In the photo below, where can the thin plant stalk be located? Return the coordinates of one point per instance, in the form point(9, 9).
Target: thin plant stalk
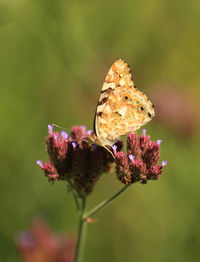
point(82, 221)
point(105, 202)
point(81, 232)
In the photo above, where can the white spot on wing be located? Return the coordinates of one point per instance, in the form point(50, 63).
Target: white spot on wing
point(110, 72)
point(108, 85)
point(100, 108)
point(107, 109)
point(112, 77)
point(123, 110)
point(121, 66)
point(122, 82)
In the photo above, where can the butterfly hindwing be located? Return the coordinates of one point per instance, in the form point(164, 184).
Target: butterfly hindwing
point(121, 108)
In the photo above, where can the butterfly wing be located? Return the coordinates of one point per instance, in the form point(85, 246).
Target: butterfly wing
point(121, 108)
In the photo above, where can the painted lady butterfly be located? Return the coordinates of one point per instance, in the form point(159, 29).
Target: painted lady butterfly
point(121, 109)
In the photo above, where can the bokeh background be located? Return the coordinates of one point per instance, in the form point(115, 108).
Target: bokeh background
point(54, 56)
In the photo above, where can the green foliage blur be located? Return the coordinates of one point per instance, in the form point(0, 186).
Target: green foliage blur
point(54, 56)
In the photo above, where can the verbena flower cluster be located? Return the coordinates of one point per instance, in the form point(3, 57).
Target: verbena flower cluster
point(141, 163)
point(73, 159)
point(40, 244)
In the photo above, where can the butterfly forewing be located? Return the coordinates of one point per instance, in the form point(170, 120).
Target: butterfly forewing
point(121, 108)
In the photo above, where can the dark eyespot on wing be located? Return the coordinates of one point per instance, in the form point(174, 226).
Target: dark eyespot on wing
point(103, 101)
point(100, 114)
point(117, 113)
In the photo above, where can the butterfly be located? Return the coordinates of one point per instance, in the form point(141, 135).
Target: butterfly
point(121, 108)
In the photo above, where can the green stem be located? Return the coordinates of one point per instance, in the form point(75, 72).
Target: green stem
point(74, 193)
point(105, 203)
point(81, 232)
point(76, 200)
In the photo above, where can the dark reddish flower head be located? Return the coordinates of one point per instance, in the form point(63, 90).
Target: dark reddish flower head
point(71, 158)
point(40, 244)
point(141, 163)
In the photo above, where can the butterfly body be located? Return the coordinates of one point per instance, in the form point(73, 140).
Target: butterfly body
point(121, 109)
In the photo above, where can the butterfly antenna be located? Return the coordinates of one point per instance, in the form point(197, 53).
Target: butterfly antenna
point(60, 127)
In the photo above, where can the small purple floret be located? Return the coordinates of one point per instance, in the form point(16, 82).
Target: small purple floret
point(132, 129)
point(144, 131)
point(50, 129)
point(159, 141)
point(74, 144)
point(72, 157)
point(131, 157)
point(164, 162)
point(89, 132)
point(83, 128)
point(39, 163)
point(94, 146)
point(141, 163)
point(55, 136)
point(26, 239)
point(114, 147)
point(64, 135)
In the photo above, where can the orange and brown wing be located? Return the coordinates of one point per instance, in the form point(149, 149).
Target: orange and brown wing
point(118, 77)
point(118, 111)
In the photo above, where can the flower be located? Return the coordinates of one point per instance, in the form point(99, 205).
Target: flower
point(73, 159)
point(177, 110)
point(42, 245)
point(140, 164)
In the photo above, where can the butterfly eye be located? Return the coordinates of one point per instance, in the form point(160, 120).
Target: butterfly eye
point(141, 109)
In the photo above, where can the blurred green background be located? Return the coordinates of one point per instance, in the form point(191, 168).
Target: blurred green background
point(54, 56)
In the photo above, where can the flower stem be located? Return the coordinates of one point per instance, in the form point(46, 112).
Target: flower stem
point(105, 202)
point(76, 200)
point(81, 232)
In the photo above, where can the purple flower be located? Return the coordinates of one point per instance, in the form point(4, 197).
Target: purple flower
point(50, 129)
point(131, 157)
point(55, 136)
point(90, 132)
point(141, 163)
point(114, 147)
point(144, 131)
point(159, 141)
point(40, 243)
point(74, 144)
point(39, 163)
point(164, 162)
point(72, 159)
point(64, 135)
